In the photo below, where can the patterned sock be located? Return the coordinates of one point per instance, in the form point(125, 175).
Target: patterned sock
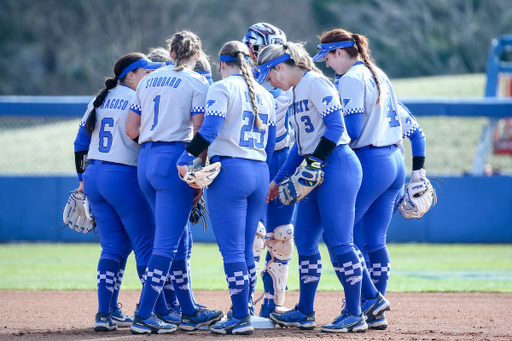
point(106, 279)
point(310, 270)
point(351, 277)
point(380, 268)
point(120, 274)
point(154, 279)
point(169, 293)
point(179, 278)
point(238, 284)
point(253, 276)
point(368, 289)
point(336, 268)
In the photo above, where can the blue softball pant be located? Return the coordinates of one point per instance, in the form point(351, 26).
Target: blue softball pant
point(275, 213)
point(330, 208)
point(169, 197)
point(383, 180)
point(120, 210)
point(236, 199)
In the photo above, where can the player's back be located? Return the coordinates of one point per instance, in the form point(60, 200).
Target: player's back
point(109, 141)
point(239, 135)
point(381, 123)
point(167, 99)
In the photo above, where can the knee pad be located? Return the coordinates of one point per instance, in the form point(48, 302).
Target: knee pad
point(280, 247)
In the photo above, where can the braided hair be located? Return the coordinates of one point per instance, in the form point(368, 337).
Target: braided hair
point(360, 48)
point(110, 83)
point(240, 51)
point(185, 45)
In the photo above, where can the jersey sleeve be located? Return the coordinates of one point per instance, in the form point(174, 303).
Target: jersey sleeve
point(352, 95)
point(217, 100)
point(135, 105)
point(199, 97)
point(407, 120)
point(324, 97)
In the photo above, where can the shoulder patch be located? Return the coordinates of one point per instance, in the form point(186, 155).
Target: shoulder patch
point(210, 102)
point(327, 99)
point(346, 101)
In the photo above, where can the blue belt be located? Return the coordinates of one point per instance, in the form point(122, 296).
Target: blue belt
point(101, 162)
point(375, 147)
point(158, 144)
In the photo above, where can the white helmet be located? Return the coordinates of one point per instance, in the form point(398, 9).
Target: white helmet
point(262, 34)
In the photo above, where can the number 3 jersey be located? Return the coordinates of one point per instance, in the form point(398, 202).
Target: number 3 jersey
point(314, 99)
point(239, 135)
point(167, 100)
point(109, 141)
point(381, 123)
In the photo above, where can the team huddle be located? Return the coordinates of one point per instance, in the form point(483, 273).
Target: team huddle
point(283, 157)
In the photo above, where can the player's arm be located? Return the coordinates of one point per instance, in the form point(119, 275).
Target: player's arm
point(81, 148)
point(272, 130)
point(133, 125)
point(412, 130)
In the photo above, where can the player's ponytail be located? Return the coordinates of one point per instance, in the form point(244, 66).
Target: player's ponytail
point(360, 48)
point(185, 45)
point(110, 83)
point(240, 52)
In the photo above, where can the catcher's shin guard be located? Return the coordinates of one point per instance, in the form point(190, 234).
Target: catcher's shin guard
point(280, 247)
point(259, 245)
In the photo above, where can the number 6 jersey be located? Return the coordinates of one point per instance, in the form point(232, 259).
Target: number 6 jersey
point(381, 123)
point(239, 136)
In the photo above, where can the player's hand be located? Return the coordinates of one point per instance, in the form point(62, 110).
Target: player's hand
point(198, 193)
point(273, 190)
point(182, 170)
point(81, 187)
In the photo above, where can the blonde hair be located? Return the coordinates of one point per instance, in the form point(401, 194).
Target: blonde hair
point(240, 51)
point(185, 45)
point(360, 48)
point(299, 57)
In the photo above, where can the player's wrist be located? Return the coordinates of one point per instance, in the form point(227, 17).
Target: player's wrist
point(416, 175)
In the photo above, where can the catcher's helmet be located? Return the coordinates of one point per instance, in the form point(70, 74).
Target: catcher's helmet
point(262, 34)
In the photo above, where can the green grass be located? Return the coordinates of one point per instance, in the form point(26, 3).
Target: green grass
point(415, 267)
point(471, 85)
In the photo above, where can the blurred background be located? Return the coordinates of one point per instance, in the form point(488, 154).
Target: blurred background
point(57, 53)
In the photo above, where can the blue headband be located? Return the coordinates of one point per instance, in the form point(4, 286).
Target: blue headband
point(323, 49)
point(228, 58)
point(264, 69)
point(142, 63)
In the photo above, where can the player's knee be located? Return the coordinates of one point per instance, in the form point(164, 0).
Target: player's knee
point(280, 242)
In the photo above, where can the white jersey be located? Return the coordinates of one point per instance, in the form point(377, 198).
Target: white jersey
point(283, 133)
point(381, 123)
point(109, 141)
point(239, 136)
point(409, 125)
point(166, 100)
point(314, 98)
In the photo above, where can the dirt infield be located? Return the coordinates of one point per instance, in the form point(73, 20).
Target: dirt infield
point(69, 315)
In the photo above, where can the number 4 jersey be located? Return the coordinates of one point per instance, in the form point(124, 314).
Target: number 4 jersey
point(239, 135)
point(109, 141)
point(381, 123)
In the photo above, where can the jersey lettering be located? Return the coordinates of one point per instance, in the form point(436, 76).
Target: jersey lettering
point(250, 126)
point(106, 135)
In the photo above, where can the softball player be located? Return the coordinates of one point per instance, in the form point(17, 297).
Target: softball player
point(168, 107)
point(276, 218)
point(110, 183)
point(239, 131)
point(321, 139)
point(373, 123)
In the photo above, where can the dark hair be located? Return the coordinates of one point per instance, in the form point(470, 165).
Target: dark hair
point(110, 83)
point(185, 44)
point(159, 54)
point(360, 48)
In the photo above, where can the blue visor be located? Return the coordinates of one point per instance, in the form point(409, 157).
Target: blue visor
point(142, 63)
point(324, 49)
point(264, 69)
point(228, 58)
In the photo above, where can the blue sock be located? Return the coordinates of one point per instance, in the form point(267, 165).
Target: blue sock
point(310, 270)
point(368, 289)
point(190, 280)
point(253, 276)
point(238, 284)
point(351, 278)
point(169, 293)
point(154, 280)
point(106, 278)
point(179, 278)
point(380, 267)
point(120, 274)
